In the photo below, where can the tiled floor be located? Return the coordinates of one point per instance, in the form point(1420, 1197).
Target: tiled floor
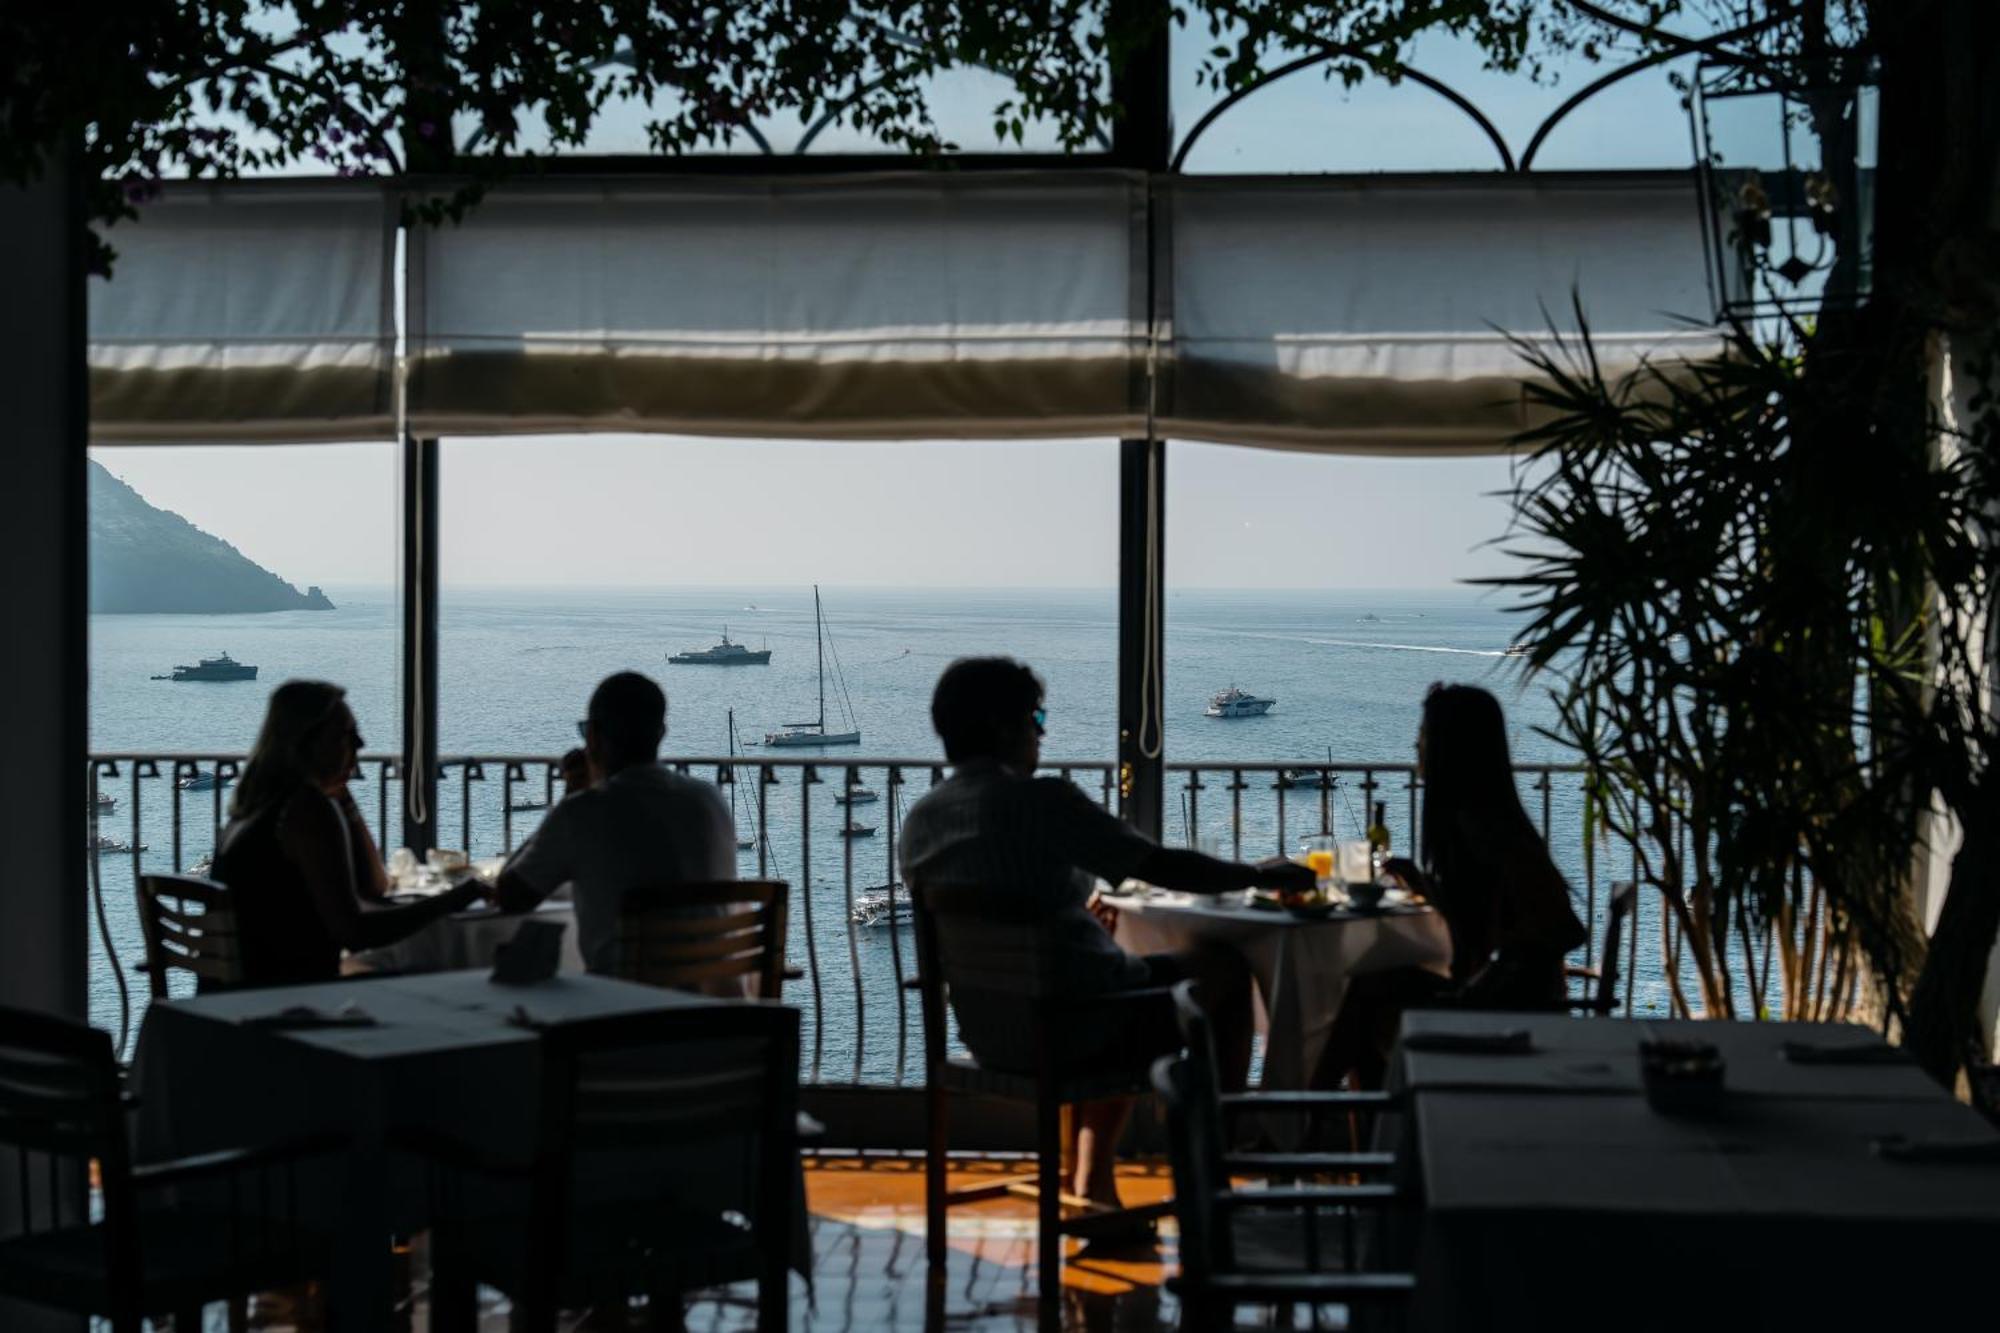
point(867, 1228)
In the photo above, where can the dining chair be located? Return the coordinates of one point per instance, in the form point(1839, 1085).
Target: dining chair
point(981, 951)
point(1265, 1246)
point(168, 1237)
point(631, 1107)
point(1236, 1108)
point(706, 937)
point(1600, 982)
point(189, 925)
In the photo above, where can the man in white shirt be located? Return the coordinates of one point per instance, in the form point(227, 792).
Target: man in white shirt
point(637, 826)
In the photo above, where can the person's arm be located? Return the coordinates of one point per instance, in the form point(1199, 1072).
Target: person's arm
point(1196, 872)
point(1091, 837)
point(316, 840)
point(371, 877)
point(542, 864)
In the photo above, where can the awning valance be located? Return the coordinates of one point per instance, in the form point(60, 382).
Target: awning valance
point(1378, 313)
point(882, 307)
point(254, 311)
point(1336, 313)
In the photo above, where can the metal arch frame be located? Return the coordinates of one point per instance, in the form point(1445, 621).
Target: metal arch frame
point(1414, 75)
point(1675, 47)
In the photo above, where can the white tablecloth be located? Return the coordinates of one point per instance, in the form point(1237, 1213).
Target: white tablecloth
point(471, 940)
point(1301, 966)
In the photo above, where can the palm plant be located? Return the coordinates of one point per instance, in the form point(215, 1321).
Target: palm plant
point(1757, 603)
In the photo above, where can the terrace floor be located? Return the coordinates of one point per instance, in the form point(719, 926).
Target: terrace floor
point(867, 1226)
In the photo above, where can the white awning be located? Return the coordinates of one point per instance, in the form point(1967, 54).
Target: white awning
point(1377, 314)
point(883, 307)
point(254, 311)
point(1347, 314)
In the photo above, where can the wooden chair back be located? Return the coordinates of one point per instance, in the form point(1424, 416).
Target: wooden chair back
point(706, 936)
point(981, 952)
point(189, 925)
point(60, 1110)
point(707, 1078)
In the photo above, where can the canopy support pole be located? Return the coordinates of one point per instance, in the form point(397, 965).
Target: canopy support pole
point(420, 640)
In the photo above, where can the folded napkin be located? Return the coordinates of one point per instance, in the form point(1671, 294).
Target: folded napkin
point(1514, 1041)
point(1898, 1148)
point(349, 1015)
point(1843, 1052)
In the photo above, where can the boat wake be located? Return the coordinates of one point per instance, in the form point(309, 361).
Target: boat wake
point(1409, 647)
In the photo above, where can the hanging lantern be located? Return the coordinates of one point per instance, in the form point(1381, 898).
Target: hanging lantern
point(1786, 163)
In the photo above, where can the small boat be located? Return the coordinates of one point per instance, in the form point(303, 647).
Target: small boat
point(854, 830)
point(200, 781)
point(1291, 778)
point(1516, 649)
point(878, 906)
point(1369, 618)
point(102, 842)
point(859, 796)
point(1233, 702)
point(202, 867)
point(103, 801)
point(726, 653)
point(522, 807)
point(219, 667)
point(798, 735)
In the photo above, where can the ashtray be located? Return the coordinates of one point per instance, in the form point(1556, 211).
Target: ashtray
point(1681, 1077)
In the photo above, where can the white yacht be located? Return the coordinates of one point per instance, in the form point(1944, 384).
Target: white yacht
point(1233, 702)
point(800, 735)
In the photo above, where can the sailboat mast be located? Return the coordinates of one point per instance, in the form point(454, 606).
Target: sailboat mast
point(819, 646)
point(732, 770)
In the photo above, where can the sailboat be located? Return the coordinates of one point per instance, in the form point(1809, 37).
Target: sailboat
point(743, 844)
point(803, 734)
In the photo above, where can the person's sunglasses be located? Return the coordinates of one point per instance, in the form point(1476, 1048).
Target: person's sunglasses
point(1041, 716)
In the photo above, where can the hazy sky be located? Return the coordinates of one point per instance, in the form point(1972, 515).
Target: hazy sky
point(651, 511)
point(632, 510)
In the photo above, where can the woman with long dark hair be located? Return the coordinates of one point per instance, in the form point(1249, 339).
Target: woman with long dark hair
point(1486, 870)
point(297, 856)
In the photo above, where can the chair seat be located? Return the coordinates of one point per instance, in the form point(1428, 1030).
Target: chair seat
point(961, 1074)
point(187, 1259)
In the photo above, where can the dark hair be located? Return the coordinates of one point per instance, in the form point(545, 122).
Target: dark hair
point(277, 765)
point(980, 699)
point(1469, 786)
point(628, 713)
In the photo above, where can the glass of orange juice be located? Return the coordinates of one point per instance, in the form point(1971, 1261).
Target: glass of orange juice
point(1321, 849)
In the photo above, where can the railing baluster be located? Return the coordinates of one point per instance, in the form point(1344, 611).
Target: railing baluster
point(808, 776)
point(891, 791)
point(853, 780)
point(1236, 814)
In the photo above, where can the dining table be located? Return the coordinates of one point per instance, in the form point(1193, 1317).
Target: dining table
point(1829, 1184)
point(1301, 962)
point(378, 1061)
point(467, 939)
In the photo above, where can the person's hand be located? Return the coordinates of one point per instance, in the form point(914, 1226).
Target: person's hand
point(1106, 914)
point(575, 771)
point(1279, 873)
point(1406, 873)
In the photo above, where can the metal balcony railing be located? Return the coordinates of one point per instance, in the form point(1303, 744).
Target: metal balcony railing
point(829, 826)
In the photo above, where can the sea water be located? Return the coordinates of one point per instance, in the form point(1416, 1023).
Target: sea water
point(1348, 670)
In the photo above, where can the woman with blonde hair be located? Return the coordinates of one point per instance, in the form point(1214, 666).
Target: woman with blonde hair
point(297, 856)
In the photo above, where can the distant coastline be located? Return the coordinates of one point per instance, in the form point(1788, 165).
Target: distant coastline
point(148, 560)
